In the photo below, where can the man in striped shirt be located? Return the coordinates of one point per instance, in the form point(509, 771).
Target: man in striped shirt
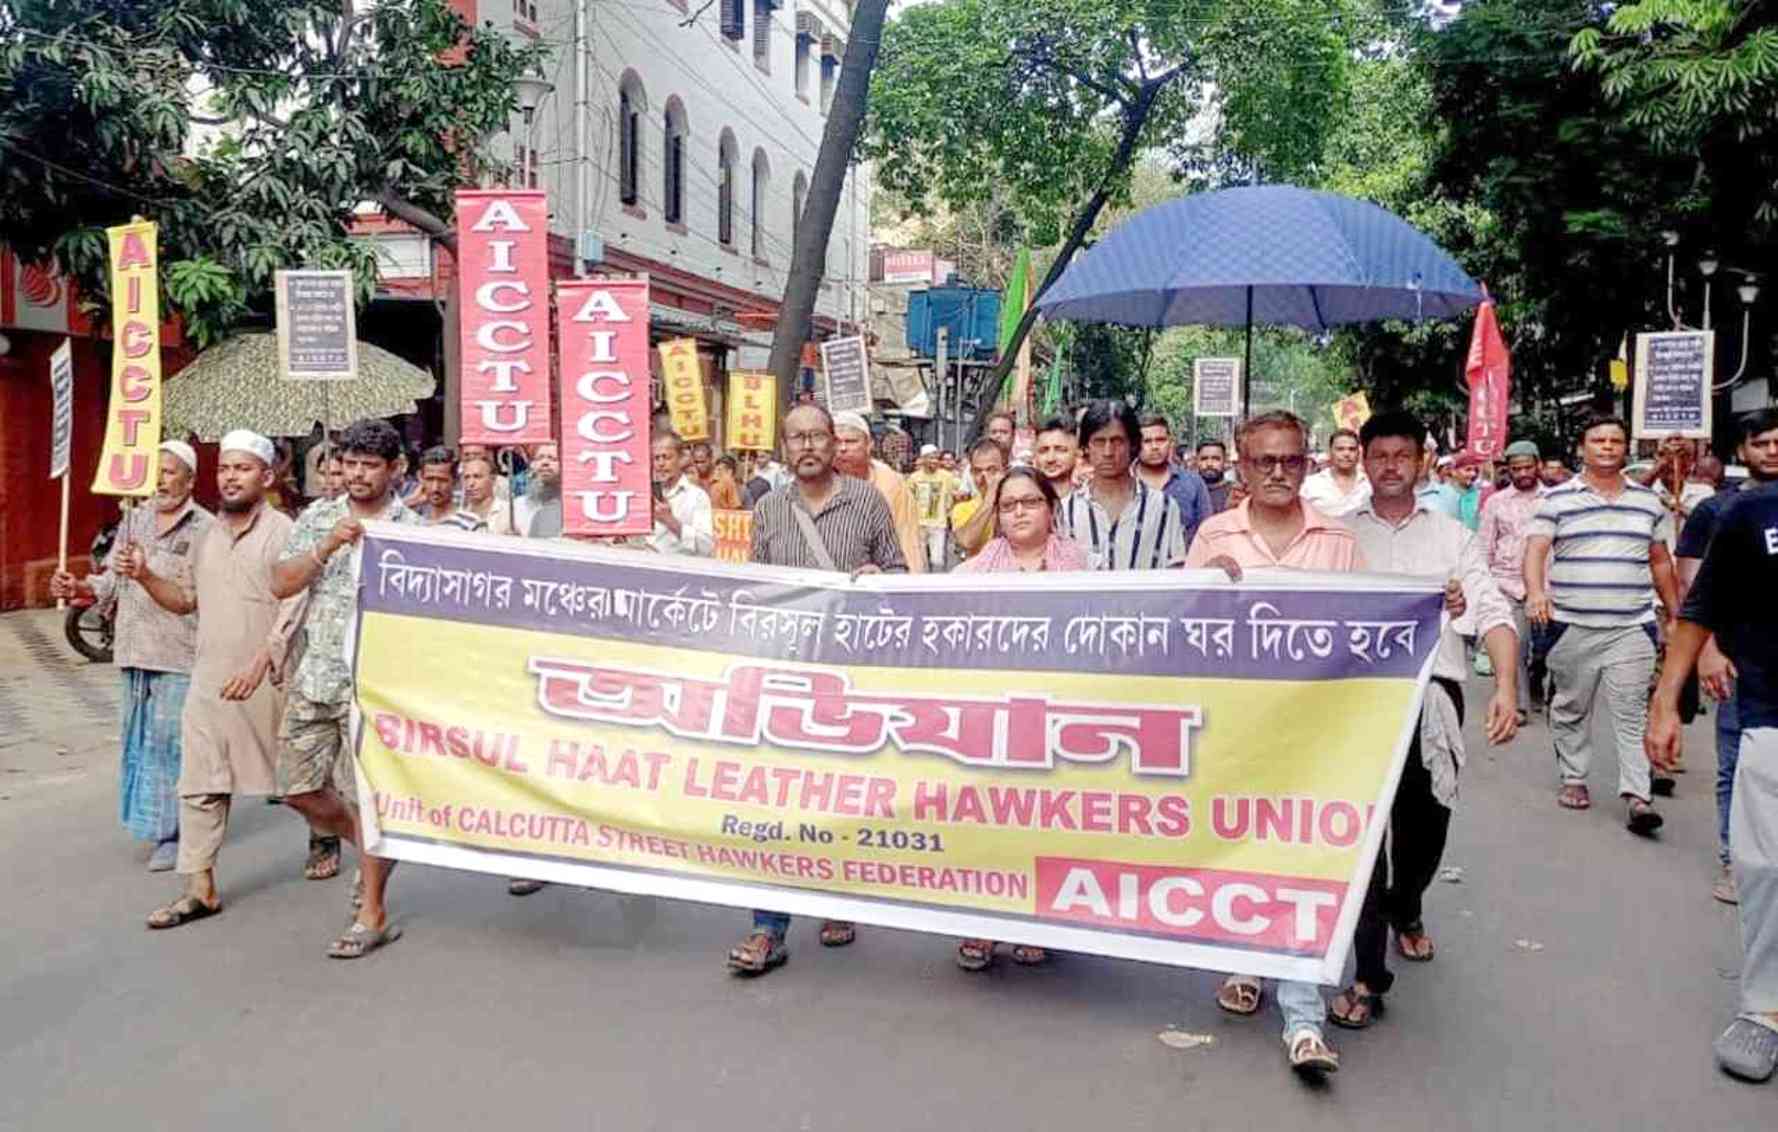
point(1121, 522)
point(1595, 557)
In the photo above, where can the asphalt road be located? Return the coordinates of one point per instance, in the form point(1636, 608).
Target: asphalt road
point(1581, 975)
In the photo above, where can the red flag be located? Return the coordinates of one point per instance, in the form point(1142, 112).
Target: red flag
point(1490, 385)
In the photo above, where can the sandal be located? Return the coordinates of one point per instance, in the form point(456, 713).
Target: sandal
point(184, 910)
point(324, 859)
point(975, 954)
point(1355, 1009)
point(360, 941)
point(1574, 797)
point(523, 886)
point(1027, 956)
point(1641, 818)
point(1240, 994)
point(757, 954)
point(1413, 943)
point(837, 933)
point(1310, 1055)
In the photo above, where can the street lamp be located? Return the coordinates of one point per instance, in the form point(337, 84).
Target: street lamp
point(531, 89)
point(1748, 293)
point(1708, 265)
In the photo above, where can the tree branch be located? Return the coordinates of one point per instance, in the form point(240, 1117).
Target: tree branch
point(406, 210)
point(1044, 59)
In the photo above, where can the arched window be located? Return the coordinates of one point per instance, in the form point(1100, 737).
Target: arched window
point(725, 189)
point(673, 144)
point(632, 106)
point(762, 179)
point(799, 195)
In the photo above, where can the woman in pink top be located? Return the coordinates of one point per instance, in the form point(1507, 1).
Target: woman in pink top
point(1025, 514)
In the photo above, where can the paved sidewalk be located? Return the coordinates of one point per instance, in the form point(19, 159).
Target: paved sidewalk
point(1580, 977)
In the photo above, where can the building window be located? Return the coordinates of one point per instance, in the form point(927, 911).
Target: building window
point(673, 164)
point(734, 19)
point(762, 35)
point(804, 45)
point(527, 166)
point(630, 107)
point(725, 190)
point(830, 69)
point(524, 12)
point(762, 178)
point(799, 195)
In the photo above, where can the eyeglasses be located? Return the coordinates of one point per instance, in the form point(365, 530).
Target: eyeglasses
point(1266, 465)
point(806, 439)
point(1023, 503)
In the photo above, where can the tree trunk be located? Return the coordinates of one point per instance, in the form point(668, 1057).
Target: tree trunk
point(808, 259)
point(1135, 118)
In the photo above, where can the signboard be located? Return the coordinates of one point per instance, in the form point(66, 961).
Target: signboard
point(1175, 770)
point(1674, 371)
point(605, 407)
point(503, 260)
point(61, 385)
point(130, 461)
point(734, 535)
point(907, 267)
point(847, 371)
point(752, 411)
point(683, 379)
point(317, 326)
point(1216, 387)
point(1351, 412)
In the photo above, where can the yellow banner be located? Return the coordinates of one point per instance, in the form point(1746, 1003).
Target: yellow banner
point(752, 411)
point(130, 461)
point(683, 379)
point(1054, 763)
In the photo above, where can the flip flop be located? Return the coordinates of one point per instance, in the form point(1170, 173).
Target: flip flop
point(1747, 1050)
point(1240, 994)
point(1027, 956)
point(360, 941)
point(185, 910)
point(1414, 931)
point(837, 933)
point(1355, 1009)
point(1574, 797)
point(523, 886)
point(758, 953)
point(975, 954)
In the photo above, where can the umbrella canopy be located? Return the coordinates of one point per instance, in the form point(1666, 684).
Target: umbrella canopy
point(1267, 253)
point(235, 384)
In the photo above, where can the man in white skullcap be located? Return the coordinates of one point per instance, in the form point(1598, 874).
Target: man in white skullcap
point(852, 457)
point(231, 714)
point(152, 649)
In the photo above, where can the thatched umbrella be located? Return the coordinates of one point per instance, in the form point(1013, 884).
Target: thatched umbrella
point(235, 384)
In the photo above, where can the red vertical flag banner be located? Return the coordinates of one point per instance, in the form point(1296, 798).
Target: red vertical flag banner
point(503, 265)
point(605, 406)
point(1490, 385)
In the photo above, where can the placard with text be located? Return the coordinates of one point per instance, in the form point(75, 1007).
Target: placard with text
point(503, 281)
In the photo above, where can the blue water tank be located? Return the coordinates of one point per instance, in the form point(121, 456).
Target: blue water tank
point(971, 315)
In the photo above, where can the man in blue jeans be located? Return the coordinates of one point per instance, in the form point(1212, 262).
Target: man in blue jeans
point(1713, 667)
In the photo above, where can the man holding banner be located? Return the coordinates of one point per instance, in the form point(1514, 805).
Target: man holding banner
point(154, 649)
point(314, 737)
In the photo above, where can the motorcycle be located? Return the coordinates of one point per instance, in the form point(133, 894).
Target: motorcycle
point(90, 625)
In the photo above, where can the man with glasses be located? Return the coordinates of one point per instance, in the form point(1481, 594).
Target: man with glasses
point(821, 520)
point(1121, 522)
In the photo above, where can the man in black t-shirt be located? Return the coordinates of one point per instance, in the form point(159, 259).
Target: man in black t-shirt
point(1731, 599)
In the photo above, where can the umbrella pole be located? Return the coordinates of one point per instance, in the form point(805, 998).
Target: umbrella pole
point(1247, 362)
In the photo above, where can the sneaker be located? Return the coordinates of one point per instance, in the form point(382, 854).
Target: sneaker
point(165, 856)
point(1724, 889)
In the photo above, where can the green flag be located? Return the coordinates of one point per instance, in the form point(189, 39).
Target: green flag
point(1017, 298)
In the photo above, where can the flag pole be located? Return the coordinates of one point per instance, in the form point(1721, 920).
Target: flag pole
point(62, 540)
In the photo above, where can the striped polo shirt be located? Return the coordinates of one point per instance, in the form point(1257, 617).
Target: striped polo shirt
point(1599, 575)
point(1149, 535)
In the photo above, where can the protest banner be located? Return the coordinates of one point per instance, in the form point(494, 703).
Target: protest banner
point(1216, 387)
point(734, 535)
point(847, 370)
point(752, 411)
point(129, 463)
point(605, 407)
point(683, 379)
point(61, 436)
point(1674, 371)
point(317, 317)
point(1159, 766)
point(503, 281)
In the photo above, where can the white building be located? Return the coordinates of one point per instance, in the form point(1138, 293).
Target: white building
point(682, 152)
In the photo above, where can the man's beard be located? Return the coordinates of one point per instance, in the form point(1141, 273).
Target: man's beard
point(544, 491)
point(1211, 476)
point(238, 506)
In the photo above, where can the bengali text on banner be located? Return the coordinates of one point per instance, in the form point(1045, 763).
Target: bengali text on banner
point(129, 464)
point(503, 255)
point(1158, 766)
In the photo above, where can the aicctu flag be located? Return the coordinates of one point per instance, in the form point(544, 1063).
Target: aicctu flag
point(1161, 766)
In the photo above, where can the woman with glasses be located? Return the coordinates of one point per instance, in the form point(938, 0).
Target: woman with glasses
point(1024, 514)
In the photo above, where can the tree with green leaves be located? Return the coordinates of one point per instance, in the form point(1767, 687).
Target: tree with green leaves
point(248, 130)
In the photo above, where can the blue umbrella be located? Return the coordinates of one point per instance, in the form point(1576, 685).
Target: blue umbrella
point(1274, 254)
